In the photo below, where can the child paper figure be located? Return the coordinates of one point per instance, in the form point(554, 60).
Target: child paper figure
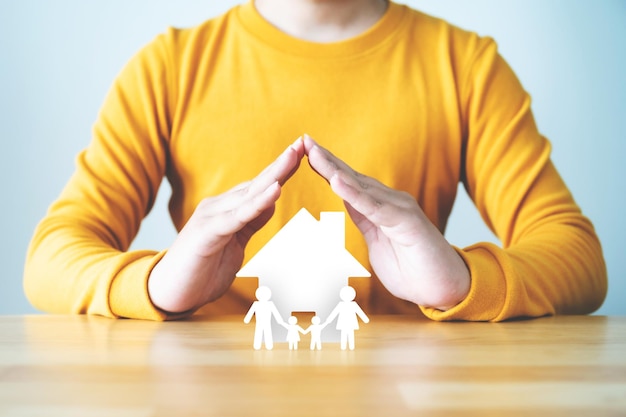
point(293, 332)
point(264, 309)
point(316, 333)
point(346, 312)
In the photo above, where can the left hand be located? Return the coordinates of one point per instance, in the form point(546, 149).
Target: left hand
point(408, 253)
point(201, 264)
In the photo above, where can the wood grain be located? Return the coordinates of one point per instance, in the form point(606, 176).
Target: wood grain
point(92, 366)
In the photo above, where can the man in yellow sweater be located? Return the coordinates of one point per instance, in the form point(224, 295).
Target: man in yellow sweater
point(402, 107)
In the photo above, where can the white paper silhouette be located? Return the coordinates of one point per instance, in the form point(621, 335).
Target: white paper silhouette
point(263, 309)
point(315, 329)
point(346, 313)
point(293, 332)
point(306, 264)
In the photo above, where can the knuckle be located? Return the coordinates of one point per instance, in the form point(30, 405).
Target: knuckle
point(205, 204)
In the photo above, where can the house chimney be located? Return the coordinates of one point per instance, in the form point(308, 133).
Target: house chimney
point(333, 227)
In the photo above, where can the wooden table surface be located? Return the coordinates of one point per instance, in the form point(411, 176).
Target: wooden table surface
point(93, 366)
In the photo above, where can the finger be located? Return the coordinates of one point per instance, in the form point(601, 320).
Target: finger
point(232, 221)
point(216, 230)
point(298, 148)
point(281, 169)
point(399, 218)
point(372, 205)
point(255, 225)
point(369, 202)
point(366, 227)
point(360, 201)
point(323, 161)
point(378, 205)
point(328, 165)
point(277, 172)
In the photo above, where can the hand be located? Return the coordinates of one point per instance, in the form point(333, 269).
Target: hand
point(201, 263)
point(407, 252)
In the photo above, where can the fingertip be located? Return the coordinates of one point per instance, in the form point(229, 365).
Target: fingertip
point(275, 186)
point(335, 181)
point(292, 154)
point(298, 147)
point(297, 142)
point(309, 143)
point(338, 185)
point(314, 150)
point(265, 200)
point(269, 195)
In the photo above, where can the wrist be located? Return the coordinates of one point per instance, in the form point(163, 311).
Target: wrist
point(453, 289)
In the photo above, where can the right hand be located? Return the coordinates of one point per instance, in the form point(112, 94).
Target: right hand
point(409, 255)
point(202, 262)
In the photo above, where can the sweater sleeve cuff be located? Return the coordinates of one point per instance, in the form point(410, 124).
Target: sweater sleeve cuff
point(129, 297)
point(487, 295)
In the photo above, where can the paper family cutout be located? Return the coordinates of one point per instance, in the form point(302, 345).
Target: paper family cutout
point(306, 265)
point(346, 312)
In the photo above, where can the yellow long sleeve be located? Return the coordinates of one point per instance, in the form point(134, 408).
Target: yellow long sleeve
point(552, 260)
point(77, 261)
point(414, 102)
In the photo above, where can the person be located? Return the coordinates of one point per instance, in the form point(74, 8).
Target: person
point(293, 332)
point(398, 108)
point(347, 313)
point(315, 328)
point(263, 309)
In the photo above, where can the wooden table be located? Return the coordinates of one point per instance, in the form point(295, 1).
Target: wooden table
point(92, 366)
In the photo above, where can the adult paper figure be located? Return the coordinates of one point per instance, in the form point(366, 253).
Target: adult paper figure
point(264, 309)
point(347, 311)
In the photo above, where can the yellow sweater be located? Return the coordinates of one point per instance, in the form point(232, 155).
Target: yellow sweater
point(414, 102)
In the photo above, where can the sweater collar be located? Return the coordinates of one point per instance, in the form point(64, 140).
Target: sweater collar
point(379, 33)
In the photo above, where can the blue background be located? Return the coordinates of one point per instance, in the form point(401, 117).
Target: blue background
point(58, 59)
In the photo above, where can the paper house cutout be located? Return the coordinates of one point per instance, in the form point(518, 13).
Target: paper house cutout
point(305, 265)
